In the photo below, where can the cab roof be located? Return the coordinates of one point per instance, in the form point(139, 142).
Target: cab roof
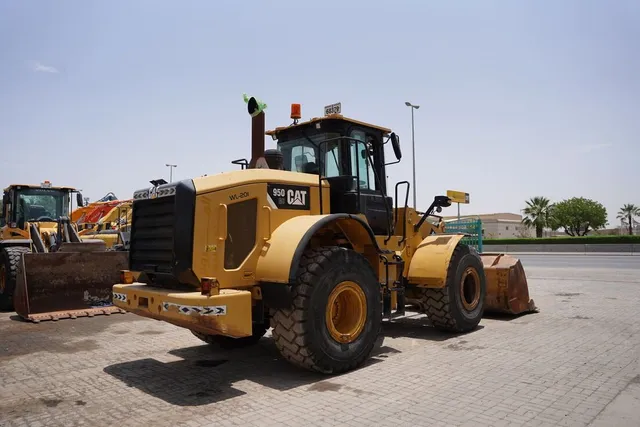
point(52, 187)
point(384, 130)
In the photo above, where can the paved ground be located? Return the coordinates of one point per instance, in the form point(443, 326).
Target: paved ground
point(574, 363)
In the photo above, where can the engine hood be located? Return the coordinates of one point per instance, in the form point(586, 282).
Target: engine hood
point(206, 184)
point(220, 181)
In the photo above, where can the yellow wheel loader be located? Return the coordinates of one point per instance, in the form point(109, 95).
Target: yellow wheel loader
point(47, 272)
point(306, 240)
point(106, 221)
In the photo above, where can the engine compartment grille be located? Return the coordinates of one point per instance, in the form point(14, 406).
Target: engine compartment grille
point(152, 236)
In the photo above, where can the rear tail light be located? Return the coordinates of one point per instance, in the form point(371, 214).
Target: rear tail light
point(208, 286)
point(126, 277)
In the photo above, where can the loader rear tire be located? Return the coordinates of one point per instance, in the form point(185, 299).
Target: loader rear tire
point(459, 305)
point(316, 332)
point(228, 343)
point(9, 259)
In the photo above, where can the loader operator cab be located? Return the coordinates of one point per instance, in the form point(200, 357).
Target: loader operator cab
point(349, 155)
point(22, 204)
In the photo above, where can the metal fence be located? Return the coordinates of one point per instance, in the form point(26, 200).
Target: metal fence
point(472, 228)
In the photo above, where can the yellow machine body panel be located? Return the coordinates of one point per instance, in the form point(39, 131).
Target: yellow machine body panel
point(227, 313)
point(243, 195)
point(287, 241)
point(428, 265)
point(46, 229)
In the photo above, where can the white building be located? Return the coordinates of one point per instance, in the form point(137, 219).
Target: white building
point(499, 225)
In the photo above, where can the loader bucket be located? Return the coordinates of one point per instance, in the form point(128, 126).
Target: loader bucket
point(507, 289)
point(58, 285)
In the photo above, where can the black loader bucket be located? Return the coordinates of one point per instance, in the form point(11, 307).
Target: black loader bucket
point(74, 282)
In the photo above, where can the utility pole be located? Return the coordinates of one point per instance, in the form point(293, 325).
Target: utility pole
point(413, 145)
point(170, 166)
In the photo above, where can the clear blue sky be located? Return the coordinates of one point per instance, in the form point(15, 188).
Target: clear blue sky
point(517, 98)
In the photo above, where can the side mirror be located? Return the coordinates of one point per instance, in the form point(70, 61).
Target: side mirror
point(395, 143)
point(79, 200)
point(442, 201)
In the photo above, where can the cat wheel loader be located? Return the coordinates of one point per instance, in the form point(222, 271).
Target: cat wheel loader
point(306, 240)
point(47, 272)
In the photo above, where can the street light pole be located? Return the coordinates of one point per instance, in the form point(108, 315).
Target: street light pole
point(413, 145)
point(170, 166)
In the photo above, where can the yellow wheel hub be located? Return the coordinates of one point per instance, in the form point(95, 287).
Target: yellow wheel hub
point(470, 289)
point(346, 312)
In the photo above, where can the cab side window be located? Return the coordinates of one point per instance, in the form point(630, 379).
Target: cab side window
point(332, 161)
point(359, 161)
point(303, 158)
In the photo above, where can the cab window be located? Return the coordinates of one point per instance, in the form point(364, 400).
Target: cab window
point(301, 154)
point(359, 163)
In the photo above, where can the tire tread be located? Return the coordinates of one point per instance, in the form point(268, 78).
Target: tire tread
point(436, 303)
point(290, 331)
point(14, 255)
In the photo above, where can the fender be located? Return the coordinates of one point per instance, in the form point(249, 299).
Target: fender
point(281, 255)
point(430, 262)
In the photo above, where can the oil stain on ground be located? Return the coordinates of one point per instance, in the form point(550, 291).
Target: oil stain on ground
point(51, 403)
point(460, 346)
point(151, 332)
point(567, 294)
point(323, 386)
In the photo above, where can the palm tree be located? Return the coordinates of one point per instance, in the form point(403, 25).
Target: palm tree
point(537, 214)
point(627, 212)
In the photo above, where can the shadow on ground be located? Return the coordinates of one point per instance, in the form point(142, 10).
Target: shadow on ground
point(418, 326)
point(507, 317)
point(207, 374)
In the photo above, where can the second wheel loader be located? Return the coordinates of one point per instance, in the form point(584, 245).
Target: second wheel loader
point(306, 240)
point(47, 271)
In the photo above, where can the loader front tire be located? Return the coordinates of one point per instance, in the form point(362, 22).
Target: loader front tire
point(9, 259)
point(336, 317)
point(459, 305)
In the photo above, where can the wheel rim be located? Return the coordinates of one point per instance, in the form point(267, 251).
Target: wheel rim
point(470, 289)
point(2, 279)
point(346, 312)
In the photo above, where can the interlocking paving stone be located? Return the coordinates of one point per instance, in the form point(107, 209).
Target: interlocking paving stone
point(562, 366)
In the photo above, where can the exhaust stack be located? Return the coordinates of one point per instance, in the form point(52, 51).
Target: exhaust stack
point(256, 111)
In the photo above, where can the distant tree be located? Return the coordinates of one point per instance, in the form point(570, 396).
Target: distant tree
point(628, 212)
point(578, 216)
point(538, 214)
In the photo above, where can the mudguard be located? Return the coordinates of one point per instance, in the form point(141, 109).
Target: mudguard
point(279, 260)
point(430, 261)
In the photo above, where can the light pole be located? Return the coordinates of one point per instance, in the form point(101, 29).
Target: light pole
point(413, 145)
point(170, 166)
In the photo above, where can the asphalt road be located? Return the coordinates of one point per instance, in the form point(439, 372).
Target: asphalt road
point(580, 261)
